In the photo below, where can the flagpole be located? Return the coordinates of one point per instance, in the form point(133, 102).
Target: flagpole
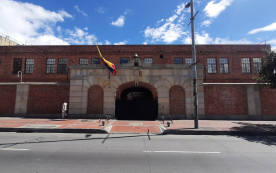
point(98, 48)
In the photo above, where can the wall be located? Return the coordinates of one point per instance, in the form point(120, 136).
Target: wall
point(95, 100)
point(177, 100)
point(47, 99)
point(225, 100)
point(268, 101)
point(7, 99)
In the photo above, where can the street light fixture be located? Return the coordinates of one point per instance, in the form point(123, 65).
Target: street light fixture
point(191, 4)
point(18, 75)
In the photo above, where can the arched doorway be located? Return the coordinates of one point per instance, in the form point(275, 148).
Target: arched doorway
point(136, 103)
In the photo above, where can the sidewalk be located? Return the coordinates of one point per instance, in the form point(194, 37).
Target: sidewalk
point(181, 127)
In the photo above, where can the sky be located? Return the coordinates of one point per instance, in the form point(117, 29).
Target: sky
point(138, 22)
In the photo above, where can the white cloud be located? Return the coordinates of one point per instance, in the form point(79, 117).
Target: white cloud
point(273, 41)
point(205, 38)
point(128, 11)
point(107, 42)
point(121, 43)
point(206, 23)
point(101, 10)
point(85, 28)
point(82, 12)
point(213, 9)
point(273, 48)
point(78, 36)
point(170, 31)
point(31, 23)
point(271, 27)
point(119, 22)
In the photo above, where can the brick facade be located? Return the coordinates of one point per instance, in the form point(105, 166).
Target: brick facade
point(230, 98)
point(225, 100)
point(47, 99)
point(7, 99)
point(95, 100)
point(177, 100)
point(268, 100)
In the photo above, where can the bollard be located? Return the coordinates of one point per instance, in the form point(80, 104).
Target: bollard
point(168, 123)
point(103, 122)
point(163, 119)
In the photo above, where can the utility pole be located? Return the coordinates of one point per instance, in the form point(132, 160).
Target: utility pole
point(194, 62)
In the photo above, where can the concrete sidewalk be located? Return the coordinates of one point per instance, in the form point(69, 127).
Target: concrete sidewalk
point(182, 127)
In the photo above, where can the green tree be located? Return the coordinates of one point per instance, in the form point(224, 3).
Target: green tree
point(267, 73)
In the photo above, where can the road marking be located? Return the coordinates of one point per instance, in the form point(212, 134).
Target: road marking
point(188, 152)
point(13, 149)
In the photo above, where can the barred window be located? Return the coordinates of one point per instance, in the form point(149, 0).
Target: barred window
point(50, 67)
point(245, 65)
point(29, 66)
point(124, 60)
point(62, 65)
point(178, 61)
point(148, 60)
point(95, 60)
point(84, 61)
point(257, 64)
point(212, 65)
point(223, 65)
point(17, 65)
point(188, 60)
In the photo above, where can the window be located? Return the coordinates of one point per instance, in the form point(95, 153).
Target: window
point(62, 65)
point(95, 60)
point(17, 65)
point(245, 65)
point(29, 66)
point(124, 60)
point(84, 61)
point(212, 65)
point(188, 60)
point(223, 65)
point(148, 60)
point(178, 61)
point(50, 67)
point(257, 64)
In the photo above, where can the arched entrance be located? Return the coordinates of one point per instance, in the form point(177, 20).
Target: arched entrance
point(136, 103)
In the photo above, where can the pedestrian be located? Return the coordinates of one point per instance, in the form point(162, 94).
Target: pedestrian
point(64, 108)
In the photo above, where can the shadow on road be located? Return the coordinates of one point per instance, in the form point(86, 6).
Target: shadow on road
point(263, 129)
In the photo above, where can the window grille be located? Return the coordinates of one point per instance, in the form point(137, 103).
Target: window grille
point(62, 65)
point(257, 64)
point(50, 67)
point(148, 60)
point(178, 61)
point(188, 60)
point(124, 60)
point(212, 65)
point(223, 65)
point(29, 66)
point(17, 65)
point(245, 65)
point(95, 60)
point(84, 61)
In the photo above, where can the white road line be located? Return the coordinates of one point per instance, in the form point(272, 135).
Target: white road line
point(188, 152)
point(13, 149)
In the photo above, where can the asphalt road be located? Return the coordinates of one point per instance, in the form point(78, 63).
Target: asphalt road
point(66, 153)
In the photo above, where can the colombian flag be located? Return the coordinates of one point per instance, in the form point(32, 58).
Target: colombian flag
point(110, 66)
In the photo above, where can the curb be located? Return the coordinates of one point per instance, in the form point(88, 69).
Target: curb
point(230, 133)
point(40, 130)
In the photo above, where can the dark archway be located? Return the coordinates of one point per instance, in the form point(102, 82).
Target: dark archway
point(136, 104)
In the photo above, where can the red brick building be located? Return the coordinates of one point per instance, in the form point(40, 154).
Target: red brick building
point(157, 83)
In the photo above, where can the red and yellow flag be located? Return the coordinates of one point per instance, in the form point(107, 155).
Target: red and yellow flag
point(110, 66)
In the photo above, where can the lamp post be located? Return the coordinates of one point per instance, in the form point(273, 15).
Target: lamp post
point(194, 62)
point(18, 75)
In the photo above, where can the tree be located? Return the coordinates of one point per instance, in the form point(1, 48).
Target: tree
point(267, 73)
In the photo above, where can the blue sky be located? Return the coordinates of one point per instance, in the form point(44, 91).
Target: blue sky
point(129, 22)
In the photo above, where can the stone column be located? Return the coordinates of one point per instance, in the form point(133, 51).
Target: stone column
point(253, 102)
point(21, 101)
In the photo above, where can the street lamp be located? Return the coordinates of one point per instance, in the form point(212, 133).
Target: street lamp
point(18, 75)
point(191, 4)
